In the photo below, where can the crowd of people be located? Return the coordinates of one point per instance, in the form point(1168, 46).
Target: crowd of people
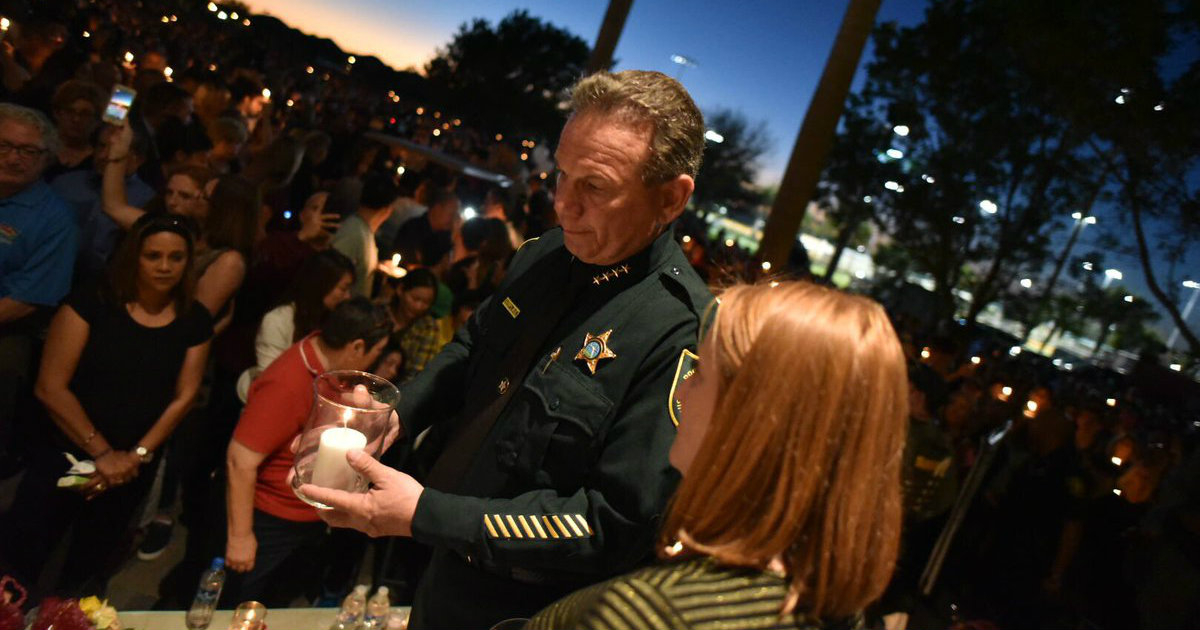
point(171, 285)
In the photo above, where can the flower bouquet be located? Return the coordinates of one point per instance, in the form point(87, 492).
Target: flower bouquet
point(55, 613)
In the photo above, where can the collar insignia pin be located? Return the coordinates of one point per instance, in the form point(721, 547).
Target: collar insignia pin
point(595, 349)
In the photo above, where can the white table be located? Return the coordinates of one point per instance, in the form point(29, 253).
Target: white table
point(277, 619)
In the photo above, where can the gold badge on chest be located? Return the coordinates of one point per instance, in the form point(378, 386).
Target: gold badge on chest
point(595, 349)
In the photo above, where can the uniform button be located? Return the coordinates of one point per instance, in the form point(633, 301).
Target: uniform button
point(503, 386)
point(675, 270)
point(554, 404)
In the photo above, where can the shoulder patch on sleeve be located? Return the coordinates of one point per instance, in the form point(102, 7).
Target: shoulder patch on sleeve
point(683, 371)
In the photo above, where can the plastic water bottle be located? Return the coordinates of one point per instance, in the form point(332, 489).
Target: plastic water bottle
point(207, 594)
point(378, 608)
point(353, 607)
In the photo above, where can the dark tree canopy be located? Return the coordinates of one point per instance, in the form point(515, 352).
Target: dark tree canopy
point(730, 166)
point(509, 78)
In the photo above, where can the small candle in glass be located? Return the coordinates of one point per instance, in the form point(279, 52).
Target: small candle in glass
point(249, 616)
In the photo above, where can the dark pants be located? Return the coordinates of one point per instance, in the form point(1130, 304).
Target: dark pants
point(42, 513)
point(288, 562)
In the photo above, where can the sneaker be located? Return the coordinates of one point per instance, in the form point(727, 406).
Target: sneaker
point(158, 536)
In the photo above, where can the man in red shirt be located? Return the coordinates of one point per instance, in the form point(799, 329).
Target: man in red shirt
point(267, 523)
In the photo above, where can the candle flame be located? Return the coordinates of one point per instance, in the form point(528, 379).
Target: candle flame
point(396, 259)
point(347, 416)
point(1116, 461)
point(975, 360)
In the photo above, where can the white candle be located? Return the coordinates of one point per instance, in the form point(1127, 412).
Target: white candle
point(331, 469)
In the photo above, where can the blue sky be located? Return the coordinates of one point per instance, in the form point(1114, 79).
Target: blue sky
point(762, 57)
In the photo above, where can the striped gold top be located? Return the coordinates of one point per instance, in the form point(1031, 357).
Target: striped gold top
point(696, 593)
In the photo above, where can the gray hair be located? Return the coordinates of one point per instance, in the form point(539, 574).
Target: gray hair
point(639, 97)
point(34, 119)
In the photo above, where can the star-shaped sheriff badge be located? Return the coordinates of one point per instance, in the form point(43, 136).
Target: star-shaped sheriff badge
point(595, 348)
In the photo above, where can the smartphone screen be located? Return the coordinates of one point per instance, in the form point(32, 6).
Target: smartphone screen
point(119, 104)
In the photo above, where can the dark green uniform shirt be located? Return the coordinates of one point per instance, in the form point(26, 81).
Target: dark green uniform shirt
point(568, 486)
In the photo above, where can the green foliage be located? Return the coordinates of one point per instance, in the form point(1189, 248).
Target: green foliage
point(727, 174)
point(510, 78)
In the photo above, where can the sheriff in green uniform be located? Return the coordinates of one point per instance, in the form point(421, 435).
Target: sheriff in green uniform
point(555, 396)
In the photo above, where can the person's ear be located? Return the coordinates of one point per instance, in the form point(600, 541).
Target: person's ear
point(359, 346)
point(673, 196)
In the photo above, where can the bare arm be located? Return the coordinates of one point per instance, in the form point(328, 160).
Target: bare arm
point(114, 201)
point(186, 388)
point(220, 281)
point(11, 310)
point(242, 465)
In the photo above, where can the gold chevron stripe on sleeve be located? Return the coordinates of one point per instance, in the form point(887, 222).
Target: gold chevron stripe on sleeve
point(512, 524)
point(562, 528)
point(549, 527)
point(537, 526)
point(525, 525)
point(487, 522)
point(500, 525)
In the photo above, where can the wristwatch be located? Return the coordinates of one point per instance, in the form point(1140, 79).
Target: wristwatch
point(144, 454)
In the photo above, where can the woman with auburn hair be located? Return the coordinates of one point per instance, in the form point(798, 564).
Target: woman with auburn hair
point(790, 440)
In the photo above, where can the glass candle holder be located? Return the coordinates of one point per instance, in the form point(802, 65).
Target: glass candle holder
point(249, 616)
point(350, 410)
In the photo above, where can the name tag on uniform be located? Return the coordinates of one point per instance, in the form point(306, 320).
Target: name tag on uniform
point(511, 308)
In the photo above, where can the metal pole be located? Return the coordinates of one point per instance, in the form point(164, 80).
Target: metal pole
point(610, 33)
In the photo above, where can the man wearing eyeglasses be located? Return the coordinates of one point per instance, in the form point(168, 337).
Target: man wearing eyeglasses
point(38, 239)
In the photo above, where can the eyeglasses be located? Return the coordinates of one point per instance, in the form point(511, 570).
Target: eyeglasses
point(24, 150)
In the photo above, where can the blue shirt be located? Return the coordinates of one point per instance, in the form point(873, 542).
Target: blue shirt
point(98, 234)
point(38, 241)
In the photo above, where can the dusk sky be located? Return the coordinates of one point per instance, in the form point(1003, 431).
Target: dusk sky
point(763, 58)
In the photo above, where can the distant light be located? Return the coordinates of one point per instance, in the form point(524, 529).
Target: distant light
point(86, 34)
point(524, 156)
point(266, 94)
point(1006, 390)
point(1027, 283)
point(1090, 221)
point(867, 199)
point(212, 67)
point(766, 265)
point(891, 185)
point(399, 170)
point(1069, 366)
point(928, 178)
point(1191, 284)
point(457, 122)
point(1014, 351)
point(1159, 107)
point(469, 213)
point(350, 60)
point(860, 274)
point(1129, 298)
point(1057, 362)
point(988, 206)
point(174, 18)
point(728, 242)
point(1115, 274)
point(1117, 491)
point(167, 72)
point(221, 15)
point(212, 6)
point(1111, 402)
point(437, 114)
point(975, 360)
point(287, 214)
point(900, 130)
point(420, 111)
point(713, 136)
point(128, 57)
point(959, 220)
point(499, 137)
point(1031, 406)
point(1088, 266)
point(1177, 367)
point(290, 102)
point(1077, 215)
point(446, 126)
point(166, 19)
point(309, 70)
point(895, 154)
point(246, 22)
point(1120, 100)
point(438, 132)
point(543, 175)
point(687, 239)
point(233, 16)
point(925, 353)
point(774, 283)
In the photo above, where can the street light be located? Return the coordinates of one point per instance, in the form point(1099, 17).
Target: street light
point(684, 62)
point(713, 136)
point(988, 206)
point(900, 130)
point(1110, 275)
point(1027, 283)
point(1187, 310)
